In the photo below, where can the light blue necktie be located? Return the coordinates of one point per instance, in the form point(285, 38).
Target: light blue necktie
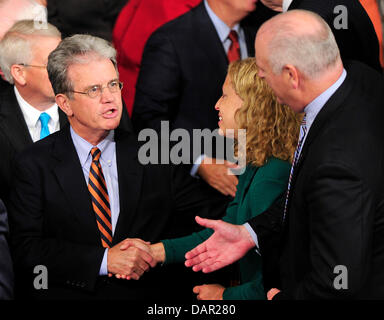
point(44, 119)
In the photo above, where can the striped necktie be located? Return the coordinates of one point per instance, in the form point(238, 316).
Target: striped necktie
point(100, 199)
point(303, 132)
point(234, 49)
point(44, 119)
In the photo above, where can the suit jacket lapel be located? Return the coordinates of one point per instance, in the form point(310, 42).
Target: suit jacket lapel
point(207, 39)
point(12, 120)
point(130, 173)
point(70, 176)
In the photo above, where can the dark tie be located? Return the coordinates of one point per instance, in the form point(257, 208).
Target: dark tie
point(100, 199)
point(234, 49)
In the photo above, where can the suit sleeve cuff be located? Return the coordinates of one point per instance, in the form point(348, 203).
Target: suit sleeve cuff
point(254, 236)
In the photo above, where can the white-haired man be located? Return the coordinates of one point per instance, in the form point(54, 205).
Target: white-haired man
point(28, 111)
point(329, 223)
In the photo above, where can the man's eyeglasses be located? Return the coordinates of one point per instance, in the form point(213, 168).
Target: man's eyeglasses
point(32, 65)
point(96, 91)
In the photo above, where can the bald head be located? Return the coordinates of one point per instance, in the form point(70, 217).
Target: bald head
point(299, 38)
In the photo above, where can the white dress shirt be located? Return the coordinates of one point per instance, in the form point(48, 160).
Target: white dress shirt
point(31, 116)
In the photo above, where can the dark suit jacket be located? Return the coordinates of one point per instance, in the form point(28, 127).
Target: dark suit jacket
point(357, 42)
point(14, 136)
point(336, 207)
point(6, 270)
point(182, 72)
point(53, 224)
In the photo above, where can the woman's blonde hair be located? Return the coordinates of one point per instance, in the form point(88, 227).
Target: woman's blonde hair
point(272, 129)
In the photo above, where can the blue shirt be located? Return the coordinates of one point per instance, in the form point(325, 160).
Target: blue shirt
point(108, 164)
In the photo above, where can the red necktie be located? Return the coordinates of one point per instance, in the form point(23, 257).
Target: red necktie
point(234, 49)
point(100, 199)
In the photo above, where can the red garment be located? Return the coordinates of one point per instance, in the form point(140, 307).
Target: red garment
point(372, 9)
point(136, 22)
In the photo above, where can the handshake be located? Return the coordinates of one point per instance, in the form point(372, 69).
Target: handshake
point(132, 257)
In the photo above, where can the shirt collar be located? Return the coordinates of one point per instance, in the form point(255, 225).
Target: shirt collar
point(31, 114)
point(286, 4)
point(83, 147)
point(314, 107)
point(222, 29)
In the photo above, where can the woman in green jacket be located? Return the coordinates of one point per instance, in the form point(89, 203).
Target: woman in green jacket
point(271, 136)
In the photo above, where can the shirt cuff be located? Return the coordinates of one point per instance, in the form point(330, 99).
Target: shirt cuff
point(196, 166)
point(104, 264)
point(254, 237)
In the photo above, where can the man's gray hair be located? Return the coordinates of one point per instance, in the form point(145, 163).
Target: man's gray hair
point(79, 48)
point(311, 53)
point(16, 45)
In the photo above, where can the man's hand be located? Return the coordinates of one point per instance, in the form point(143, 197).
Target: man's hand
point(216, 175)
point(226, 245)
point(209, 292)
point(271, 293)
point(132, 262)
point(156, 250)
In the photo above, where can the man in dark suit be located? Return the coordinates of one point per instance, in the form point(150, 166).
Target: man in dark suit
point(354, 32)
point(24, 54)
point(6, 271)
point(81, 191)
point(183, 69)
point(330, 223)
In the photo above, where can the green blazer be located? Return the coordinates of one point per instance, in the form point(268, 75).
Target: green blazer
point(257, 189)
